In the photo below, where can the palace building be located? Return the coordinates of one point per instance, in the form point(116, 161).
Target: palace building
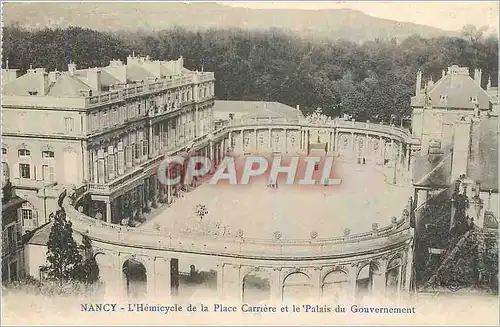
point(99, 127)
point(455, 122)
point(91, 141)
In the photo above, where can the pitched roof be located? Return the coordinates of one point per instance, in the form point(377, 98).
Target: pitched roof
point(22, 85)
point(458, 87)
point(39, 236)
point(433, 170)
point(256, 109)
point(67, 86)
point(136, 73)
point(483, 159)
point(106, 78)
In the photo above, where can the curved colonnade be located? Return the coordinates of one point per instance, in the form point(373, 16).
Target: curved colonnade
point(238, 268)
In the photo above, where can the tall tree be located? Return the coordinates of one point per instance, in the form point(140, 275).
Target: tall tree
point(64, 259)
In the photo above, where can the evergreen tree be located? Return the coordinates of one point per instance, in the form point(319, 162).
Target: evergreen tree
point(89, 272)
point(64, 259)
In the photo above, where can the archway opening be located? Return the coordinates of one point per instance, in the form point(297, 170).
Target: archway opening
point(136, 278)
point(364, 280)
point(256, 288)
point(297, 286)
point(335, 286)
point(393, 276)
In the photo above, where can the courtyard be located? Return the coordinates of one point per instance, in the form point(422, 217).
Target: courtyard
point(258, 211)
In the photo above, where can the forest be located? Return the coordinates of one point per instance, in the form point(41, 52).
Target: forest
point(371, 81)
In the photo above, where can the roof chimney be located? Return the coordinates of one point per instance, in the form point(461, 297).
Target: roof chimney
point(461, 144)
point(477, 76)
point(53, 76)
point(43, 80)
point(72, 68)
point(418, 87)
point(443, 73)
point(488, 86)
point(94, 79)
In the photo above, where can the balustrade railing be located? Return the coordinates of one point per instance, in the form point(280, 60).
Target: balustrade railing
point(146, 88)
point(397, 131)
point(397, 231)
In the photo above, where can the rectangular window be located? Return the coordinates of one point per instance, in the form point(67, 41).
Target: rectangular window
point(4, 151)
point(105, 119)
point(23, 153)
point(24, 170)
point(27, 214)
point(95, 122)
point(47, 154)
point(69, 123)
point(136, 151)
point(139, 109)
point(145, 148)
point(115, 117)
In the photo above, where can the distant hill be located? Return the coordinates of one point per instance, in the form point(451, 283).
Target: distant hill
point(332, 24)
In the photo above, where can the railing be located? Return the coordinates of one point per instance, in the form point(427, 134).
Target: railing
point(130, 91)
point(234, 124)
point(337, 123)
point(387, 236)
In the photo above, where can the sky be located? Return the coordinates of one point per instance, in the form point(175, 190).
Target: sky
point(447, 15)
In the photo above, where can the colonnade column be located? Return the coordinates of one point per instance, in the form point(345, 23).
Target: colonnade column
point(382, 150)
point(409, 268)
point(316, 279)
point(276, 288)
point(270, 141)
point(162, 277)
point(256, 140)
point(353, 278)
point(242, 141)
point(220, 280)
point(378, 281)
point(108, 210)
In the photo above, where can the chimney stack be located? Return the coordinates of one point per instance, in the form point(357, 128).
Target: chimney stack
point(94, 79)
point(53, 76)
point(477, 76)
point(72, 69)
point(488, 86)
point(43, 76)
point(443, 73)
point(8, 75)
point(418, 87)
point(461, 144)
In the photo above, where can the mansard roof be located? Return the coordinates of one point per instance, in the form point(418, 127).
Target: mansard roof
point(457, 87)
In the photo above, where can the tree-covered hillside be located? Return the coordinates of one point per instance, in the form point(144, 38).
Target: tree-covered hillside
point(373, 80)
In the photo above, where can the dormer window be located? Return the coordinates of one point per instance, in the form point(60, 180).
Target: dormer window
point(33, 92)
point(443, 97)
point(473, 99)
point(23, 153)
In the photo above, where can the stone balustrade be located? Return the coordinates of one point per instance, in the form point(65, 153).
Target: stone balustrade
point(396, 232)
